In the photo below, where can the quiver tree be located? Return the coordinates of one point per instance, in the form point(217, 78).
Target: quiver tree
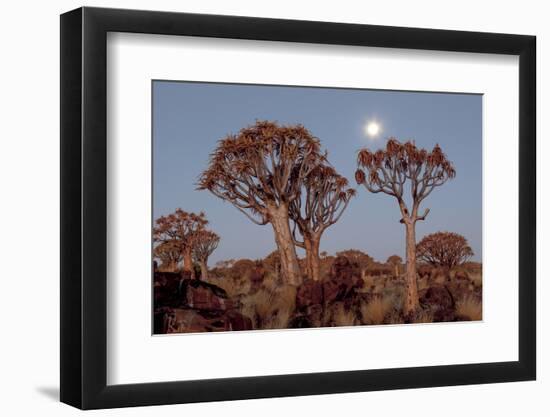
point(179, 228)
point(204, 243)
point(324, 197)
point(395, 169)
point(260, 171)
point(444, 249)
point(169, 254)
point(361, 259)
point(395, 261)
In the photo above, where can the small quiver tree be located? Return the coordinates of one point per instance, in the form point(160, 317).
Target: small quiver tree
point(444, 249)
point(395, 261)
point(324, 197)
point(204, 243)
point(179, 228)
point(361, 259)
point(395, 169)
point(260, 171)
point(169, 254)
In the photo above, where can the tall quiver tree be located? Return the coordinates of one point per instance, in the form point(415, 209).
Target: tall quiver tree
point(204, 243)
point(179, 228)
point(260, 171)
point(395, 169)
point(324, 197)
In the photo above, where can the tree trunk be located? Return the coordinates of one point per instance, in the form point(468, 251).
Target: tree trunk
point(411, 299)
point(396, 269)
point(307, 248)
point(283, 237)
point(204, 270)
point(315, 263)
point(188, 262)
point(171, 266)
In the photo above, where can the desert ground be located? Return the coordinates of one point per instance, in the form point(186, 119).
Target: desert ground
point(354, 290)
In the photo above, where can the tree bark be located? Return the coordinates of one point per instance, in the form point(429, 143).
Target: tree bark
point(171, 267)
point(204, 270)
point(188, 261)
point(307, 248)
point(283, 238)
point(411, 299)
point(315, 263)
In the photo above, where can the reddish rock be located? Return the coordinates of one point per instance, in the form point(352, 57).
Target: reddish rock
point(202, 295)
point(238, 321)
point(180, 320)
point(309, 293)
point(439, 300)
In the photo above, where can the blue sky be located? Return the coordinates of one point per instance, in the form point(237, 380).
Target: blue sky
point(189, 118)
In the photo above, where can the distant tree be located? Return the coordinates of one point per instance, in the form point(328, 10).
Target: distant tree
point(226, 263)
point(204, 243)
point(169, 254)
point(444, 249)
point(323, 198)
point(387, 171)
point(179, 228)
point(362, 259)
point(396, 262)
point(261, 171)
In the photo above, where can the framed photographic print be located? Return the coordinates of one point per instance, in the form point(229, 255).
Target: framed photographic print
point(257, 208)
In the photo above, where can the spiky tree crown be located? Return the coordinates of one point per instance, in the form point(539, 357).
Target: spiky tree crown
point(204, 243)
point(263, 164)
point(444, 249)
point(388, 169)
point(179, 227)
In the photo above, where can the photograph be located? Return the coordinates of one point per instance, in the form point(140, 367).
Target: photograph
point(288, 207)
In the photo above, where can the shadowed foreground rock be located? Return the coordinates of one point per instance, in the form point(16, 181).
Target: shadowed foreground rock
point(440, 302)
point(184, 305)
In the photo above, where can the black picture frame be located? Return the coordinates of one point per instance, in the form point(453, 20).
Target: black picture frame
point(84, 207)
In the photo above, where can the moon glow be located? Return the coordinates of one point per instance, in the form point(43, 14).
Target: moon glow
point(372, 129)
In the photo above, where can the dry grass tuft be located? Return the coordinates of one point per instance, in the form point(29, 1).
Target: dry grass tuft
point(270, 308)
point(233, 286)
point(377, 309)
point(476, 278)
point(425, 316)
point(341, 316)
point(470, 307)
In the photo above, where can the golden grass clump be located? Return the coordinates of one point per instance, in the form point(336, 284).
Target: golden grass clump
point(375, 311)
point(342, 317)
point(470, 307)
point(233, 286)
point(424, 316)
point(270, 308)
point(368, 282)
point(476, 278)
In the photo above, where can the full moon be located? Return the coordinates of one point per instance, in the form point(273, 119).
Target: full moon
point(372, 129)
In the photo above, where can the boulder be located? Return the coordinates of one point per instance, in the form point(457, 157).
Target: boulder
point(238, 321)
point(309, 293)
point(166, 289)
point(202, 295)
point(439, 300)
point(185, 320)
point(178, 320)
